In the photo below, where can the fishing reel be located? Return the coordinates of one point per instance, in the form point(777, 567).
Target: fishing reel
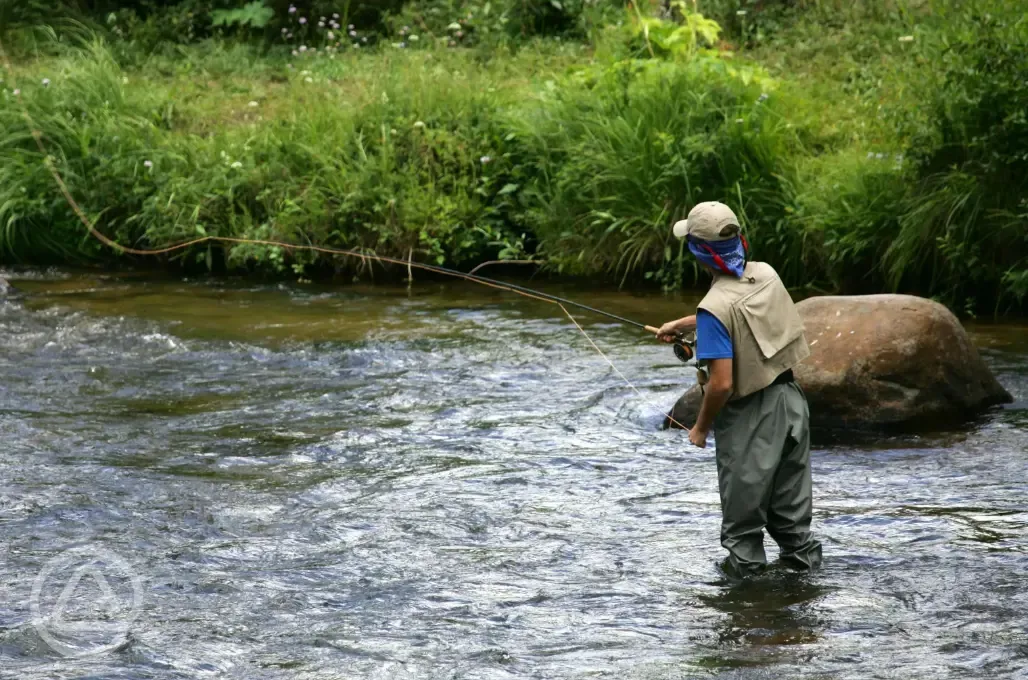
point(684, 343)
point(685, 347)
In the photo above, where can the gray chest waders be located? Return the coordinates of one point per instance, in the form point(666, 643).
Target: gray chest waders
point(763, 465)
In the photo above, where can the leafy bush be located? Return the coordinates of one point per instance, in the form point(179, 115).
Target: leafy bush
point(96, 135)
point(894, 156)
point(620, 154)
point(402, 164)
point(252, 15)
point(847, 207)
point(469, 22)
point(964, 232)
point(677, 38)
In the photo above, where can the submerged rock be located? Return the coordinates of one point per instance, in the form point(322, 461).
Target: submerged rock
point(882, 362)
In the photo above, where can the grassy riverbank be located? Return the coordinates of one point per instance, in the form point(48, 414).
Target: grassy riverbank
point(877, 147)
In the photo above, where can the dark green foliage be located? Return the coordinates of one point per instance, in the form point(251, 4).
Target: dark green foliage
point(365, 14)
point(964, 231)
point(621, 153)
point(545, 17)
point(899, 162)
point(468, 22)
point(253, 15)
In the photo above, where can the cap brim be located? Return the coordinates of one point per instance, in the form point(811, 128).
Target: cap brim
point(681, 228)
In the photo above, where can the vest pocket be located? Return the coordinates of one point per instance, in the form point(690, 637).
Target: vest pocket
point(771, 318)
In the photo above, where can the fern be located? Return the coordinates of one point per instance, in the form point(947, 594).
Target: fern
point(252, 15)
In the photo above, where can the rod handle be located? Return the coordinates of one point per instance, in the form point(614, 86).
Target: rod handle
point(653, 329)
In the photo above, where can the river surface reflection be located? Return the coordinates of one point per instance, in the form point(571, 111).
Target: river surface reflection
point(448, 482)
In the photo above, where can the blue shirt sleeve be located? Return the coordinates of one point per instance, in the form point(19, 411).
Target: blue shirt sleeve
point(712, 338)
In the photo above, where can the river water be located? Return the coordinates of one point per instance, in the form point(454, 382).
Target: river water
point(449, 482)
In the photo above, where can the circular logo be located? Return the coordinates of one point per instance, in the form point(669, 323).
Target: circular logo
point(84, 601)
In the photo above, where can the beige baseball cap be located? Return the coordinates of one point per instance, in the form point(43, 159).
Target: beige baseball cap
point(710, 221)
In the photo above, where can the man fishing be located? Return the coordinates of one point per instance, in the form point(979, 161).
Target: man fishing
point(749, 336)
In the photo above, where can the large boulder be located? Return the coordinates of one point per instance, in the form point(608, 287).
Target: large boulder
point(883, 362)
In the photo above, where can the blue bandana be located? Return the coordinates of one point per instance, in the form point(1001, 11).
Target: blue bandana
point(731, 252)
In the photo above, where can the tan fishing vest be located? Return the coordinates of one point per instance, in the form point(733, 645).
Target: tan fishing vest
point(761, 318)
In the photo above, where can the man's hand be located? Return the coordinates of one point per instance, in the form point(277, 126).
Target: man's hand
point(715, 395)
point(670, 331)
point(698, 437)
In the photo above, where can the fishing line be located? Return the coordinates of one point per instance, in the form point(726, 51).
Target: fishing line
point(681, 346)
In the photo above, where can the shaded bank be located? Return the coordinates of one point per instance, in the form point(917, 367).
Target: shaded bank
point(577, 153)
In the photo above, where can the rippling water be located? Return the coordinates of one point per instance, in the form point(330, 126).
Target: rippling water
point(448, 482)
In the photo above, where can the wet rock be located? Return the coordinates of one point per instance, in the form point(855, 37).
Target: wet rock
point(883, 362)
point(6, 289)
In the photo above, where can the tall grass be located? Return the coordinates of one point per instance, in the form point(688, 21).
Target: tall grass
point(580, 155)
point(400, 155)
point(619, 153)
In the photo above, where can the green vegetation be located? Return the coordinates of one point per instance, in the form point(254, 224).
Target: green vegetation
point(868, 147)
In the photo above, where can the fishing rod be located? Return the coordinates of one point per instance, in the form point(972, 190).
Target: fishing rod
point(683, 343)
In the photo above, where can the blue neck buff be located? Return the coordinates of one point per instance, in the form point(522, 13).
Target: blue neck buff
point(727, 257)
